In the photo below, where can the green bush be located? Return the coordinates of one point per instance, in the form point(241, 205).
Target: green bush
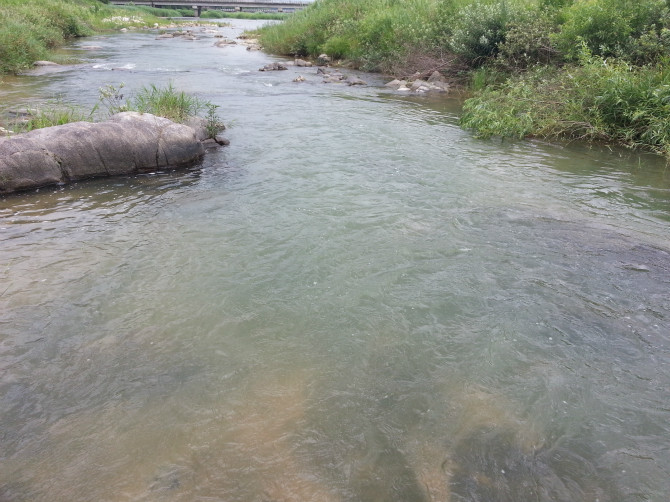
point(528, 41)
point(19, 47)
point(651, 46)
point(479, 29)
point(609, 27)
point(338, 47)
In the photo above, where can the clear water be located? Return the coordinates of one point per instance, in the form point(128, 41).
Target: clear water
point(354, 301)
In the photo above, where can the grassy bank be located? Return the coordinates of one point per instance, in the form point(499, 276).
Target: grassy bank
point(31, 29)
point(588, 69)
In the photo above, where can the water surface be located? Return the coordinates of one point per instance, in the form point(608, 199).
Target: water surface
point(354, 301)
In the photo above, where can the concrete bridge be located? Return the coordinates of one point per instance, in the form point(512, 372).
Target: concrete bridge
point(226, 5)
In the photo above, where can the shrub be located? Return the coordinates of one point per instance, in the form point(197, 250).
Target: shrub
point(19, 47)
point(609, 27)
point(338, 47)
point(528, 42)
point(479, 29)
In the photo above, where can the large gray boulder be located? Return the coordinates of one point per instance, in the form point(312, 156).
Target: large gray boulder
point(127, 143)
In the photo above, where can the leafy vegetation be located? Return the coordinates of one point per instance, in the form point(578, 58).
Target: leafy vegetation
point(597, 100)
point(588, 69)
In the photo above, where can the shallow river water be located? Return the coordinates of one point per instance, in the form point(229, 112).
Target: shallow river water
point(354, 301)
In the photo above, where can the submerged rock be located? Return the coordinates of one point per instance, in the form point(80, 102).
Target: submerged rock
point(225, 42)
point(356, 81)
point(332, 78)
point(127, 143)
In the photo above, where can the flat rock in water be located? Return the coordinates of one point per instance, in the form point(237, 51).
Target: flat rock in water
point(356, 81)
point(224, 42)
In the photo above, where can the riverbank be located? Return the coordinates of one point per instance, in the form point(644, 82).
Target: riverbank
point(31, 30)
point(594, 70)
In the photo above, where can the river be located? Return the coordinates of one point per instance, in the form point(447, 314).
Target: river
point(354, 301)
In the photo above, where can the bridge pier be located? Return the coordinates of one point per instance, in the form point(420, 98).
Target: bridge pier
point(197, 10)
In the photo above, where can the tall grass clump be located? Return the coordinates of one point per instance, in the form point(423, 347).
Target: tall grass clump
point(166, 102)
point(19, 47)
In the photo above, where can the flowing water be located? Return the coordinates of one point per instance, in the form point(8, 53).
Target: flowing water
point(354, 301)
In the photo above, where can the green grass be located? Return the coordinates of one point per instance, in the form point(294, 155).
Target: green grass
point(219, 14)
point(167, 102)
point(52, 114)
point(158, 12)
